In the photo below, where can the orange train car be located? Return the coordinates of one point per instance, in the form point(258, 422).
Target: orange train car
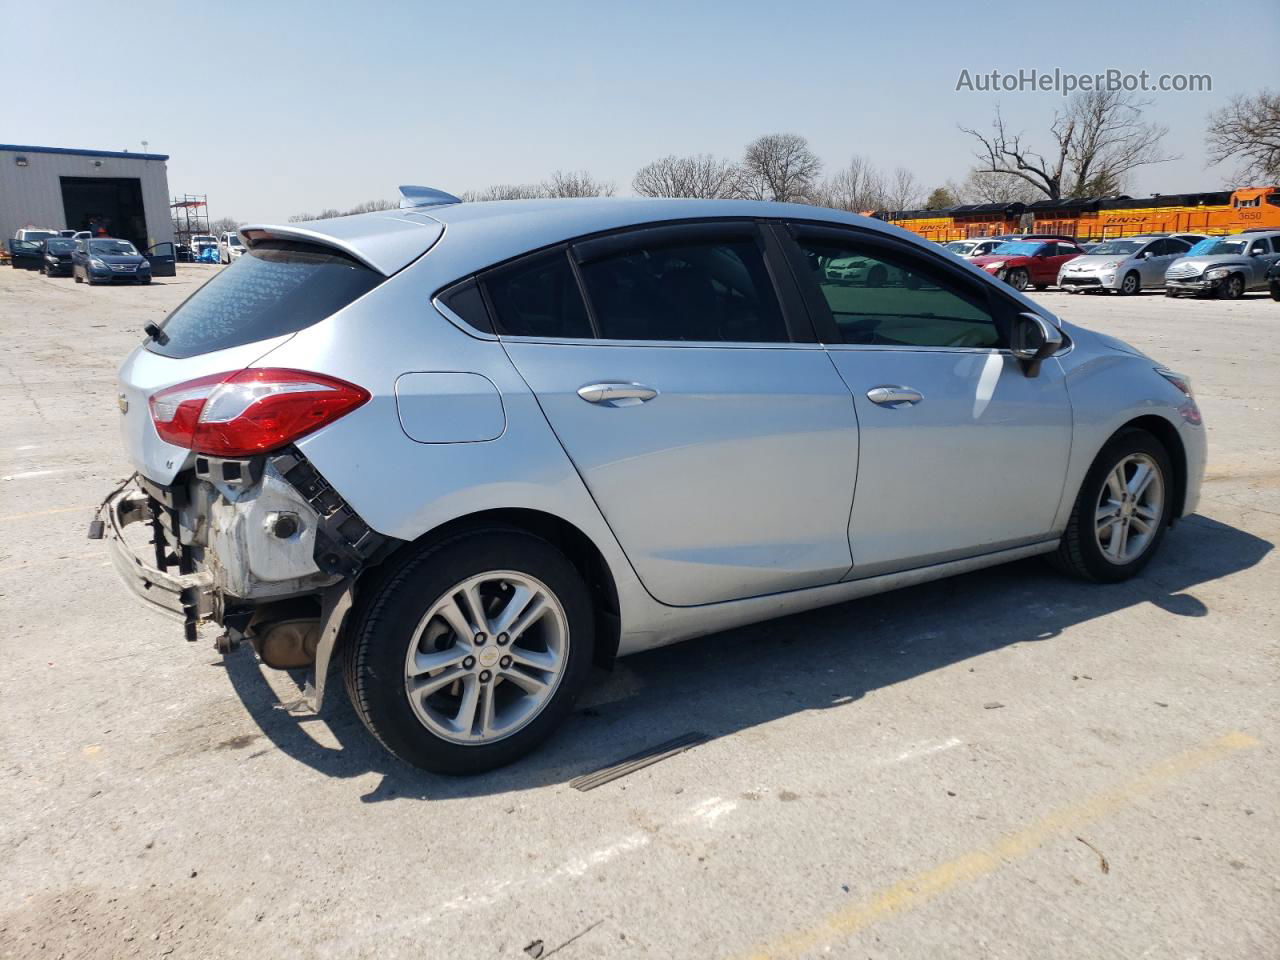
point(1097, 218)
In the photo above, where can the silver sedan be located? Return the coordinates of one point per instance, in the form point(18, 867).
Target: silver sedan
point(471, 449)
point(1124, 266)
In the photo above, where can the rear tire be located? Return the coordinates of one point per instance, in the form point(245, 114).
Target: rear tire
point(1090, 549)
point(395, 627)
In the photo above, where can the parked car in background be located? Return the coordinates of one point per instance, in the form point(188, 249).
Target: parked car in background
point(183, 252)
point(69, 234)
point(34, 233)
point(1029, 263)
point(542, 376)
point(1124, 266)
point(24, 254)
point(109, 260)
point(973, 248)
point(204, 248)
point(230, 248)
point(868, 273)
point(57, 255)
point(1225, 267)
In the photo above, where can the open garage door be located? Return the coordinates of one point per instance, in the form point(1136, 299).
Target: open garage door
point(113, 204)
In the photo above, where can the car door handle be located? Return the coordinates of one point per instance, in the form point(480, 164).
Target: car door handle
point(617, 394)
point(892, 396)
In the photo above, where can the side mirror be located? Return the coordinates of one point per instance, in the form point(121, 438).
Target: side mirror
point(1033, 338)
point(1147, 254)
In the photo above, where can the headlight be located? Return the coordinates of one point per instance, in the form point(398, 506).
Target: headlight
point(145, 265)
point(1110, 265)
point(1217, 273)
point(97, 264)
point(994, 266)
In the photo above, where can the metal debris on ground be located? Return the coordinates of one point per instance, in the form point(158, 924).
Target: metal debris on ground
point(638, 761)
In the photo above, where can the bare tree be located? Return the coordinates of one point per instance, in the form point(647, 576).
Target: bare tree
point(780, 166)
point(857, 187)
point(986, 187)
point(576, 183)
point(1247, 130)
point(506, 191)
point(329, 213)
point(1097, 142)
point(700, 175)
point(903, 190)
point(1110, 141)
point(224, 225)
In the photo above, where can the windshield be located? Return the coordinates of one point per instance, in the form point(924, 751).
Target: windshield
point(1017, 248)
point(234, 240)
point(960, 247)
point(1117, 246)
point(112, 248)
point(38, 235)
point(61, 246)
point(203, 240)
point(1219, 245)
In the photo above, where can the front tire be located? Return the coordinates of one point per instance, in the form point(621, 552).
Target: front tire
point(1130, 285)
point(472, 651)
point(1121, 512)
point(1018, 279)
point(1232, 288)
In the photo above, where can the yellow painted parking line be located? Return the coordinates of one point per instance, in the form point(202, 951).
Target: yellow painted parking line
point(43, 513)
point(923, 887)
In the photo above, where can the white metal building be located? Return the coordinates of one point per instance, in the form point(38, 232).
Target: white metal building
point(125, 194)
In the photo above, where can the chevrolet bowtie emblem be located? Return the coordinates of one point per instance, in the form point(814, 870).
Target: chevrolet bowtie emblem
point(122, 402)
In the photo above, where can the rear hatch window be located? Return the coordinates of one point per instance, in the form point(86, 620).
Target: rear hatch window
point(276, 288)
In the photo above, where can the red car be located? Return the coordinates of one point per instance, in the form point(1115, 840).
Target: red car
point(1027, 263)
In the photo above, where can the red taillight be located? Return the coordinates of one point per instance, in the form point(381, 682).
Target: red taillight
point(252, 411)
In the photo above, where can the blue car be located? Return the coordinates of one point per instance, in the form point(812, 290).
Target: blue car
point(109, 260)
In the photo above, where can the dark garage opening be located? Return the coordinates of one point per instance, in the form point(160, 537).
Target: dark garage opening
point(110, 204)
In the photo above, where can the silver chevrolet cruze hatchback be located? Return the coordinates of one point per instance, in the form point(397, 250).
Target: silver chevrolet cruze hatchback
point(470, 449)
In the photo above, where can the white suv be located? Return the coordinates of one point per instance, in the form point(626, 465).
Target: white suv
point(229, 247)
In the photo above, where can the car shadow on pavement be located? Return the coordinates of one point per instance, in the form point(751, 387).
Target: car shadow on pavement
point(731, 681)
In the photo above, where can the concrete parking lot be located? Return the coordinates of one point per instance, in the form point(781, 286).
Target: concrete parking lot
point(1003, 765)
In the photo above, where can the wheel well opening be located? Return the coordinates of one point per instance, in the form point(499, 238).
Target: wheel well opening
point(1167, 434)
point(574, 544)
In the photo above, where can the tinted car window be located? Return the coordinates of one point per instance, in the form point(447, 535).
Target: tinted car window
point(705, 290)
point(538, 297)
point(276, 288)
point(899, 301)
point(1176, 247)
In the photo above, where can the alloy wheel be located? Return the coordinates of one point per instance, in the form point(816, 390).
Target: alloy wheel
point(1130, 506)
point(487, 657)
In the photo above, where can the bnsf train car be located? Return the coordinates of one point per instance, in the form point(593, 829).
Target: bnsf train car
point(1099, 218)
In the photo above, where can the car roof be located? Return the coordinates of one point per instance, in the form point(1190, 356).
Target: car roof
point(486, 232)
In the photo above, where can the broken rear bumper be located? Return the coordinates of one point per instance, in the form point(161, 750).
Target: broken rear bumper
point(186, 596)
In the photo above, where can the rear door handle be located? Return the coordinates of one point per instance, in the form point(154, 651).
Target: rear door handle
point(890, 396)
point(617, 394)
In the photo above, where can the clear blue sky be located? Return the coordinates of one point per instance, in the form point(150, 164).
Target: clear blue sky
point(273, 108)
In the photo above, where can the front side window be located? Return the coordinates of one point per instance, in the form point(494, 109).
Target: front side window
point(538, 297)
point(701, 289)
point(899, 300)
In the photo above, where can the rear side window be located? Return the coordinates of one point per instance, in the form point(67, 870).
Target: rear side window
point(713, 290)
point(538, 297)
point(278, 287)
